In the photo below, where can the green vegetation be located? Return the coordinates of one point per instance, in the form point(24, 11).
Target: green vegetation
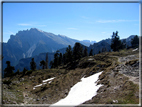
point(33, 65)
point(85, 52)
point(67, 70)
point(91, 52)
point(42, 63)
point(8, 71)
point(116, 43)
point(135, 42)
point(65, 78)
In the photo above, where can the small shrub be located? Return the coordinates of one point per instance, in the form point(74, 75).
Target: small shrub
point(6, 82)
point(29, 72)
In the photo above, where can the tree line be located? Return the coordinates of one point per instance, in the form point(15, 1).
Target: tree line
point(73, 54)
point(117, 44)
point(70, 56)
point(8, 71)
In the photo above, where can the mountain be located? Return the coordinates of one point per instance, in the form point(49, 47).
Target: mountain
point(99, 46)
point(29, 43)
point(88, 41)
point(128, 40)
point(25, 62)
point(33, 42)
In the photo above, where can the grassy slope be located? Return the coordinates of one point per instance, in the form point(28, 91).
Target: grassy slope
point(21, 88)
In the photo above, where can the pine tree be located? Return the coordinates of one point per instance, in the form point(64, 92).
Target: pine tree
point(91, 52)
point(116, 42)
point(51, 64)
point(56, 59)
point(64, 59)
point(8, 71)
point(85, 52)
point(77, 51)
point(42, 63)
point(46, 63)
point(60, 59)
point(68, 54)
point(135, 42)
point(17, 72)
point(32, 64)
point(24, 71)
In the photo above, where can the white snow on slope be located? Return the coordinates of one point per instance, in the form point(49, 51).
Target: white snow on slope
point(48, 79)
point(81, 92)
point(44, 82)
point(135, 49)
point(30, 51)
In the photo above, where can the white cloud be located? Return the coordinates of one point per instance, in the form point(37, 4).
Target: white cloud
point(114, 21)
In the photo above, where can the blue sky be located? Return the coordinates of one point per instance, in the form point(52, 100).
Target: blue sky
point(82, 21)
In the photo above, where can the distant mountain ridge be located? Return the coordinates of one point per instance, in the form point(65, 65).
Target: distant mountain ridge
point(29, 43)
point(89, 41)
point(96, 48)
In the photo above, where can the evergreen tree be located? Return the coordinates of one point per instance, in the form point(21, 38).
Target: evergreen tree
point(46, 63)
point(8, 71)
point(42, 63)
point(60, 59)
point(64, 59)
point(85, 52)
point(17, 72)
point(24, 71)
point(116, 42)
point(68, 54)
point(77, 51)
point(51, 64)
point(56, 59)
point(32, 64)
point(91, 52)
point(135, 42)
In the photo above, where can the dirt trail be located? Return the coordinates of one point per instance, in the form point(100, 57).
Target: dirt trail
point(132, 72)
point(25, 99)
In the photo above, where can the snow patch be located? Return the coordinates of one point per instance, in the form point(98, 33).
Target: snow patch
point(81, 92)
point(90, 59)
point(30, 51)
point(135, 49)
point(48, 79)
point(115, 101)
point(44, 82)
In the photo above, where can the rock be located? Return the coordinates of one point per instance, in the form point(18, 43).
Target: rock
point(14, 102)
point(26, 95)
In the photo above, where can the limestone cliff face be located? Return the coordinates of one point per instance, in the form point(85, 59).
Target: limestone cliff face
point(29, 43)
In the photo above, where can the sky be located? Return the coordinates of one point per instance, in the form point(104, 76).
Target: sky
point(81, 21)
